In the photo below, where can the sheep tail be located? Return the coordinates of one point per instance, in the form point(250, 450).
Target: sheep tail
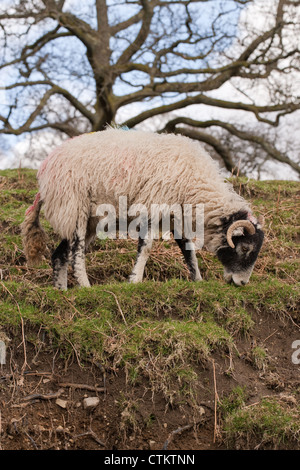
point(33, 236)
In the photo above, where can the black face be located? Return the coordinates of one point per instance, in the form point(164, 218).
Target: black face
point(239, 261)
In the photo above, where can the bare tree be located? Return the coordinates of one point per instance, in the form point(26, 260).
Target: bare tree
point(75, 67)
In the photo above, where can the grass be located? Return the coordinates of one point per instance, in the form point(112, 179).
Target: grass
point(270, 423)
point(159, 332)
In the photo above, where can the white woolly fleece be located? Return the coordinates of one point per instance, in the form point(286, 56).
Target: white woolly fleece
point(146, 167)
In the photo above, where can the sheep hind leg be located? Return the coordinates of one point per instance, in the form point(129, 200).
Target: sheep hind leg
point(190, 258)
point(60, 265)
point(144, 249)
point(77, 258)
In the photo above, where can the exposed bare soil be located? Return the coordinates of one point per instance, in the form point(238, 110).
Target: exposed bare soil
point(42, 403)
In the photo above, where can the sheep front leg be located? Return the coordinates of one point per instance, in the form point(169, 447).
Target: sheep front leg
point(77, 257)
point(190, 258)
point(144, 249)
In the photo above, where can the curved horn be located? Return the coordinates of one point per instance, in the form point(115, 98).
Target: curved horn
point(239, 223)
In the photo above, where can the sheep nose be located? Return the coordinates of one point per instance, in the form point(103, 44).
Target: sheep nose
point(243, 283)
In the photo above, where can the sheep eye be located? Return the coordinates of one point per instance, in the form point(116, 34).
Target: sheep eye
point(244, 249)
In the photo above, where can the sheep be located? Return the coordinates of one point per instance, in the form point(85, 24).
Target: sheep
point(148, 168)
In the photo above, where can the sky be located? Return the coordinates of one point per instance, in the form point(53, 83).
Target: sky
point(17, 151)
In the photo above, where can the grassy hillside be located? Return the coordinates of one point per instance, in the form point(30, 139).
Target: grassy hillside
point(181, 365)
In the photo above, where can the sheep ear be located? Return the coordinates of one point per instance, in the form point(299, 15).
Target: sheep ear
point(238, 232)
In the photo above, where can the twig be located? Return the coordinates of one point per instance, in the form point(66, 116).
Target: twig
point(180, 430)
point(31, 440)
point(25, 404)
point(216, 401)
point(82, 387)
point(40, 396)
point(288, 275)
point(118, 305)
point(294, 323)
point(94, 436)
point(70, 303)
point(37, 374)
point(173, 433)
point(270, 336)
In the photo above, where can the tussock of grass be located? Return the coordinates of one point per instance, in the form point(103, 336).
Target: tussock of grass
point(270, 423)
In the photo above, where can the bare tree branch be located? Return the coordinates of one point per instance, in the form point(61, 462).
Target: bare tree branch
point(286, 108)
point(142, 35)
point(267, 146)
